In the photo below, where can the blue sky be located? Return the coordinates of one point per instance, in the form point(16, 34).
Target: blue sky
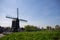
point(37, 12)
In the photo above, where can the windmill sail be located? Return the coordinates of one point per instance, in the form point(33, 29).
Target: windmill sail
point(23, 20)
point(10, 17)
point(17, 13)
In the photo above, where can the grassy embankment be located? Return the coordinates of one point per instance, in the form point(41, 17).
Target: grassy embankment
point(39, 35)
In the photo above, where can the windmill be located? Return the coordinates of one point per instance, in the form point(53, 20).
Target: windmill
point(15, 22)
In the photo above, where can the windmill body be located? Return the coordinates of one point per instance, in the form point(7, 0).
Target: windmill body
point(15, 23)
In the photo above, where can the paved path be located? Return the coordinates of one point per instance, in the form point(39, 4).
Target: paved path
point(1, 35)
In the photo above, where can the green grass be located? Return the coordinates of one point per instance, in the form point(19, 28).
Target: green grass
point(38, 35)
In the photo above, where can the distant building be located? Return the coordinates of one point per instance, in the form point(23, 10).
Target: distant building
point(1, 29)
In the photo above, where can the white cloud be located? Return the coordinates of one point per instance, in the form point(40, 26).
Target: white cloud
point(7, 7)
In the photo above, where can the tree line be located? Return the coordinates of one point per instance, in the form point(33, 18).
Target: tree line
point(30, 28)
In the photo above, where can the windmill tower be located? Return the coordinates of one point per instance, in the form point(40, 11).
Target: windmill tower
point(15, 22)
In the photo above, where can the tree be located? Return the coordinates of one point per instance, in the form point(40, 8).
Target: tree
point(49, 28)
point(31, 28)
point(57, 27)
